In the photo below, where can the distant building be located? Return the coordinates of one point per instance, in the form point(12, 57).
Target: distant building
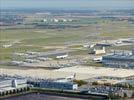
point(101, 51)
point(104, 44)
point(119, 60)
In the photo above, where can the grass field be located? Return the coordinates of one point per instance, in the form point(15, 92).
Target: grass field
point(39, 38)
point(118, 30)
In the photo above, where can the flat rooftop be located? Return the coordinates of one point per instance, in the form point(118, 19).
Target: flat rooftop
point(2, 89)
point(120, 56)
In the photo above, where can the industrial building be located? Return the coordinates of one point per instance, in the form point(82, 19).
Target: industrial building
point(17, 84)
point(8, 84)
point(99, 51)
point(54, 85)
point(119, 60)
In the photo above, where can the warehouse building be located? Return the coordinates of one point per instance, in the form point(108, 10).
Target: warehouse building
point(99, 51)
point(119, 60)
point(54, 85)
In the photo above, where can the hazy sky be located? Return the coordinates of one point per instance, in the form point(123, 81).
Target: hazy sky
point(69, 4)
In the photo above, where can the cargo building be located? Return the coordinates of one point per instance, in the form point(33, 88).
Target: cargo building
point(119, 60)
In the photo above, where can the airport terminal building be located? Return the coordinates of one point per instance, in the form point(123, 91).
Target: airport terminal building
point(49, 84)
point(119, 60)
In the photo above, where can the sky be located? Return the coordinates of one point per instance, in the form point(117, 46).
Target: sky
point(68, 4)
